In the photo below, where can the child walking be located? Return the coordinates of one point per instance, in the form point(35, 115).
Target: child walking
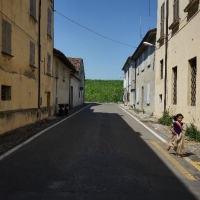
point(177, 141)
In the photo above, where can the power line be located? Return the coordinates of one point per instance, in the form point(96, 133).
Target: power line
point(94, 31)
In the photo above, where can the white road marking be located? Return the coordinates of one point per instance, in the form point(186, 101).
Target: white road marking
point(37, 135)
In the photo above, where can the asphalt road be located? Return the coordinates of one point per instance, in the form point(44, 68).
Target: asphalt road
point(101, 153)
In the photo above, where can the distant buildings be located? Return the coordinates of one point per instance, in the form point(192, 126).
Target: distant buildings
point(139, 76)
point(177, 82)
point(34, 77)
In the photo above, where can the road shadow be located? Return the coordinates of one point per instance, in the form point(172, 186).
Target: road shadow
point(99, 153)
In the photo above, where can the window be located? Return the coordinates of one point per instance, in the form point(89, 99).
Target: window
point(56, 69)
point(193, 67)
point(33, 8)
point(161, 69)
point(137, 95)
point(174, 95)
point(49, 23)
point(6, 37)
point(142, 61)
point(63, 73)
point(32, 54)
point(176, 10)
point(160, 98)
point(149, 56)
point(162, 20)
point(148, 93)
point(48, 63)
point(5, 93)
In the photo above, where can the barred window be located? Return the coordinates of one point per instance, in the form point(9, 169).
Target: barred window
point(174, 85)
point(176, 10)
point(162, 19)
point(48, 63)
point(32, 54)
point(161, 69)
point(6, 37)
point(193, 66)
point(33, 8)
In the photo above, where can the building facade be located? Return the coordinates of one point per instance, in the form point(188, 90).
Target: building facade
point(77, 82)
point(26, 60)
point(62, 69)
point(177, 55)
point(129, 82)
point(139, 75)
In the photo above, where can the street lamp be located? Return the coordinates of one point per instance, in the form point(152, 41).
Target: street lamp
point(148, 44)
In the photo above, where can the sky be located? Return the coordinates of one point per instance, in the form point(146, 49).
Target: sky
point(118, 20)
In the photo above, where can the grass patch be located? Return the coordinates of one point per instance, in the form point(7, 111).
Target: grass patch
point(166, 118)
point(103, 91)
point(192, 132)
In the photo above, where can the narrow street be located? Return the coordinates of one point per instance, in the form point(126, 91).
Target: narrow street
point(99, 153)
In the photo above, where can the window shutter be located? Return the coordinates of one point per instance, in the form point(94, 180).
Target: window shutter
point(48, 63)
point(149, 55)
point(137, 95)
point(6, 37)
point(32, 54)
point(148, 93)
point(3, 35)
point(8, 34)
point(33, 8)
point(143, 61)
point(49, 22)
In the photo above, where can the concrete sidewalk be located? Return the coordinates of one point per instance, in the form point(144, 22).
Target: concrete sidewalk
point(191, 147)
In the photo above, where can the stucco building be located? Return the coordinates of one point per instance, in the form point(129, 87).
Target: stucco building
point(139, 75)
point(77, 82)
point(129, 82)
point(177, 56)
point(26, 61)
point(62, 70)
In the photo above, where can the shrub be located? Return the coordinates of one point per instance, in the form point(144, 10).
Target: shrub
point(166, 118)
point(192, 132)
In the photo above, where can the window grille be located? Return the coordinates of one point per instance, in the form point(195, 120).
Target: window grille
point(6, 37)
point(176, 10)
point(193, 81)
point(175, 85)
point(161, 69)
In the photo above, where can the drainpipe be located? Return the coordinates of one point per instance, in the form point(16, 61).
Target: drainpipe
point(39, 56)
point(166, 47)
point(135, 84)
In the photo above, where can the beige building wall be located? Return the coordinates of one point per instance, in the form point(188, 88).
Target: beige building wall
point(16, 74)
point(61, 84)
point(183, 46)
point(75, 94)
point(144, 58)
